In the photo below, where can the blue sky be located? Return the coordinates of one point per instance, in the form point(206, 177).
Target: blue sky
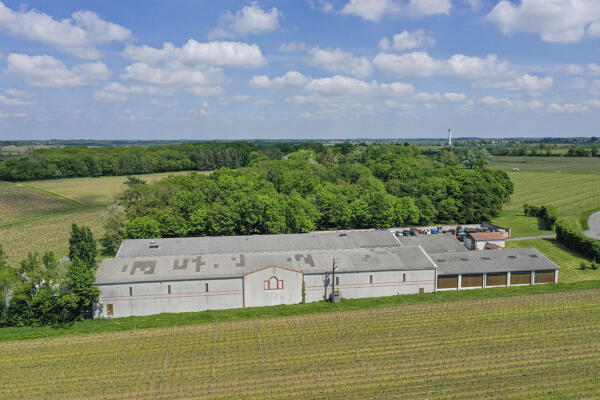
point(308, 69)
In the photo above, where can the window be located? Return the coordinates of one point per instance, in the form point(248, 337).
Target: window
point(273, 283)
point(337, 280)
point(169, 289)
point(371, 279)
point(403, 277)
point(130, 291)
point(206, 287)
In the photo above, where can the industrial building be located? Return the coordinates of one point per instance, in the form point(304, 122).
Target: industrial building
point(194, 274)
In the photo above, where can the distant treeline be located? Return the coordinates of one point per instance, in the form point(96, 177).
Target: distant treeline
point(342, 187)
point(544, 150)
point(68, 162)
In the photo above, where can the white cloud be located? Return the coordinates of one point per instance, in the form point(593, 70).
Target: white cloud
point(322, 5)
point(589, 69)
point(475, 5)
point(4, 115)
point(374, 10)
point(455, 97)
point(338, 85)
point(47, 71)
point(16, 98)
point(222, 54)
point(577, 84)
point(116, 92)
point(251, 19)
point(506, 102)
point(407, 41)
point(406, 108)
point(429, 97)
point(337, 60)
point(291, 78)
point(558, 21)
point(205, 91)
point(569, 108)
point(527, 83)
point(174, 73)
point(398, 89)
point(421, 64)
point(240, 97)
point(307, 115)
point(78, 35)
point(415, 64)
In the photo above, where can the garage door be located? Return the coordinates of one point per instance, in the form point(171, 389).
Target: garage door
point(496, 279)
point(447, 282)
point(471, 280)
point(520, 278)
point(544, 277)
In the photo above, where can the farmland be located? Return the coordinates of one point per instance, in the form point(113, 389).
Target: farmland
point(538, 346)
point(87, 197)
point(19, 202)
point(569, 183)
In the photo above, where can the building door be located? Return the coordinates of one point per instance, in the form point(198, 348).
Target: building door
point(109, 310)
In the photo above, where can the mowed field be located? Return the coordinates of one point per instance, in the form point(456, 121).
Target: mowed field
point(19, 202)
point(51, 232)
point(571, 184)
point(525, 347)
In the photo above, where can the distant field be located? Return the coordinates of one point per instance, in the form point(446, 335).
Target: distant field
point(95, 191)
point(572, 184)
point(526, 347)
point(18, 202)
point(574, 165)
point(50, 233)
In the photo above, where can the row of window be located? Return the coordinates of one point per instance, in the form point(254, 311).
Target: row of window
point(168, 289)
point(337, 282)
point(495, 279)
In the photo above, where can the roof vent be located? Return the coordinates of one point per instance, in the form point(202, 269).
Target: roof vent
point(533, 256)
point(441, 260)
point(343, 234)
point(153, 245)
point(486, 258)
point(464, 259)
point(513, 257)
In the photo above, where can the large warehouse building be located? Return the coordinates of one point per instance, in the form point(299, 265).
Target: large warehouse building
point(194, 274)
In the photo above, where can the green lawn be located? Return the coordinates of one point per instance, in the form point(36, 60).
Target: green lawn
point(567, 260)
point(571, 184)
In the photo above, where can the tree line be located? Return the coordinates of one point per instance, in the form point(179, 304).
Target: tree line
point(69, 162)
point(341, 187)
point(44, 291)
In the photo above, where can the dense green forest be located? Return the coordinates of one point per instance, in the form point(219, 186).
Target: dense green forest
point(346, 186)
point(68, 162)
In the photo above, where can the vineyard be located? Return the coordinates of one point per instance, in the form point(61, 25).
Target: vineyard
point(18, 202)
point(534, 347)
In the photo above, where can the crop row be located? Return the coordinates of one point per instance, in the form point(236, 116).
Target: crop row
point(541, 346)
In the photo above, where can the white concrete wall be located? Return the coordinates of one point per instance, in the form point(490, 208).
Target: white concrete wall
point(480, 245)
point(153, 298)
point(355, 285)
point(257, 294)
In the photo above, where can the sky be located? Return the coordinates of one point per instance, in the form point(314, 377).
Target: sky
point(301, 69)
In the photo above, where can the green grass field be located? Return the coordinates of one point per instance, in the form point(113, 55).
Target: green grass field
point(559, 181)
point(86, 198)
point(526, 347)
point(19, 202)
point(570, 165)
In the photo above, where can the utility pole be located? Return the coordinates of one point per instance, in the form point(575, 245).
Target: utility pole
point(333, 268)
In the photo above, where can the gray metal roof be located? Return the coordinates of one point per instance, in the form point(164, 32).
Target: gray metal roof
point(235, 265)
point(492, 261)
point(256, 243)
point(439, 243)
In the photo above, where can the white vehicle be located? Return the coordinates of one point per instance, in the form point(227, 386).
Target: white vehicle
point(516, 169)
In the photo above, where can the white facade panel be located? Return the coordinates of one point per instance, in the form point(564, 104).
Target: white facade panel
point(272, 286)
point(154, 298)
point(358, 285)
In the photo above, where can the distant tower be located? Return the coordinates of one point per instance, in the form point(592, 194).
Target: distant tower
point(449, 137)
